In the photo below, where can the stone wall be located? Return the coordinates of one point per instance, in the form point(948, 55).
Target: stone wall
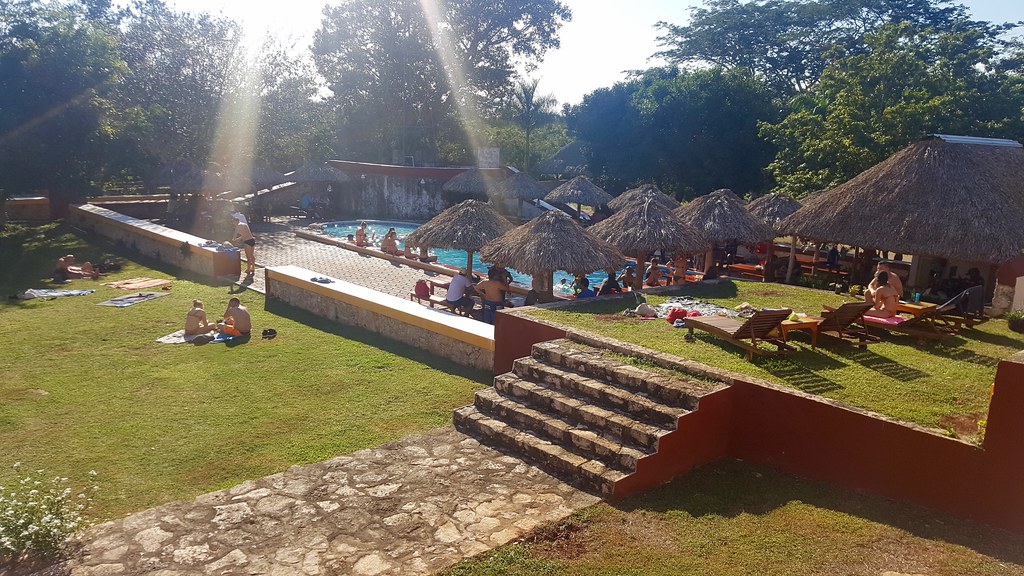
point(462, 340)
point(35, 209)
point(155, 241)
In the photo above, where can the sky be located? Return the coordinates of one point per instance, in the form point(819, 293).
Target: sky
point(604, 40)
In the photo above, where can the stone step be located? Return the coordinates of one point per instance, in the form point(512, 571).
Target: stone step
point(623, 428)
point(588, 443)
point(636, 404)
point(676, 391)
point(591, 475)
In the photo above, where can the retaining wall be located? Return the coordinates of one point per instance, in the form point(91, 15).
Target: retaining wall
point(441, 333)
point(34, 209)
point(158, 242)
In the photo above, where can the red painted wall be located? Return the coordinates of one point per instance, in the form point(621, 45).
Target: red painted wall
point(514, 338)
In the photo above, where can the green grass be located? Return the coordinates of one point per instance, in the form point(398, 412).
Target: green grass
point(941, 385)
point(86, 387)
point(731, 518)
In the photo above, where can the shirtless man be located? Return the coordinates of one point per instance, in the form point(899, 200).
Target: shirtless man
point(894, 280)
point(244, 235)
point(626, 279)
point(654, 273)
point(66, 266)
point(389, 244)
point(237, 321)
point(195, 321)
point(492, 291)
point(885, 298)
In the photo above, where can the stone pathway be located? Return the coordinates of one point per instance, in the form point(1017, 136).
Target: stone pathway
point(410, 507)
point(277, 245)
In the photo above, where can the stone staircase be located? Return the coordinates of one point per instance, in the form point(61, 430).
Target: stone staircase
point(580, 415)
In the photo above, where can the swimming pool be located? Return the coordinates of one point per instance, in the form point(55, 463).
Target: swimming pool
point(456, 258)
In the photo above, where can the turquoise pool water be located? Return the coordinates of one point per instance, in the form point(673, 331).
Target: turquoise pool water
point(456, 258)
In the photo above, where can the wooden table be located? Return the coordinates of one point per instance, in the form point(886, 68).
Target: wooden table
point(916, 309)
point(809, 323)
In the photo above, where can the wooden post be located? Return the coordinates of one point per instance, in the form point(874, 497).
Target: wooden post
point(814, 259)
point(709, 259)
point(638, 281)
point(792, 260)
point(768, 262)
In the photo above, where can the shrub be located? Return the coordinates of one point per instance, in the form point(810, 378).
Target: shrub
point(37, 517)
point(1015, 320)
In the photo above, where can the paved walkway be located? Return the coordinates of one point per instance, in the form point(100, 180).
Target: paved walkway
point(410, 507)
point(277, 245)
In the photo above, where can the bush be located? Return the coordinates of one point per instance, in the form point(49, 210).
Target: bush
point(1015, 320)
point(37, 517)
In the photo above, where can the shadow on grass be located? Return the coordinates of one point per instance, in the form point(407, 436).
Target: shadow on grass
point(376, 340)
point(965, 355)
point(729, 488)
point(885, 366)
point(794, 372)
point(996, 339)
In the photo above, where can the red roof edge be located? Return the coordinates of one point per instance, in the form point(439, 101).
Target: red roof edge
point(440, 174)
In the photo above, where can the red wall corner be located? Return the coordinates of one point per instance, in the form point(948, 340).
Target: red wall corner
point(514, 337)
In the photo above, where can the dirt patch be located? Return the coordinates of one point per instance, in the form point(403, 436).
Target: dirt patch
point(965, 425)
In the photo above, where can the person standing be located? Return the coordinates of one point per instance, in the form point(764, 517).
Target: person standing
point(244, 235)
point(492, 292)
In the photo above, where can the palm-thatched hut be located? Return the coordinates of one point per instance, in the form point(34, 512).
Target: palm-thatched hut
point(773, 208)
point(641, 228)
point(321, 172)
point(638, 195)
point(943, 196)
point(579, 191)
point(568, 161)
point(474, 182)
point(722, 219)
point(552, 241)
point(467, 226)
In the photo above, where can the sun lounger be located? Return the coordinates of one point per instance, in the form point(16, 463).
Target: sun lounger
point(763, 326)
point(838, 322)
point(925, 326)
point(966, 309)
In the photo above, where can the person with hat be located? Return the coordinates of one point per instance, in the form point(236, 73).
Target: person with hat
point(244, 235)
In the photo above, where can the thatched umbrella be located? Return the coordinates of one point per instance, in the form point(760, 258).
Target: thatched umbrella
point(579, 191)
point(466, 226)
point(772, 209)
point(520, 186)
point(318, 172)
point(569, 161)
point(552, 241)
point(474, 182)
point(722, 218)
point(266, 178)
point(948, 197)
point(637, 195)
point(642, 228)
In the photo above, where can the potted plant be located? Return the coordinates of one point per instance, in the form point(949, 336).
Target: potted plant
point(1015, 320)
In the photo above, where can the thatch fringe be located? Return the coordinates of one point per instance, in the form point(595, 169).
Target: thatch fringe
point(773, 208)
point(647, 227)
point(579, 190)
point(468, 226)
point(474, 181)
point(721, 218)
point(552, 241)
point(638, 195)
point(520, 186)
point(933, 198)
point(319, 172)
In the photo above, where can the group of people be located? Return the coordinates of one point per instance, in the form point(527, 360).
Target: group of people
point(493, 292)
point(235, 322)
point(884, 292)
point(68, 269)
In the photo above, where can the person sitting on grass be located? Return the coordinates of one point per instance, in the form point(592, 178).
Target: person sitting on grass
point(66, 268)
point(195, 321)
point(884, 297)
point(237, 321)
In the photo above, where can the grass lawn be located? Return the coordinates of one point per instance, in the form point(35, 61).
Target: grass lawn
point(86, 387)
point(941, 385)
point(731, 518)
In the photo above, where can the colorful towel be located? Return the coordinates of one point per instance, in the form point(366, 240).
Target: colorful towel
point(132, 299)
point(50, 293)
point(179, 337)
point(142, 283)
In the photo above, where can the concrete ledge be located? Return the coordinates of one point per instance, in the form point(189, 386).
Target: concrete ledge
point(32, 209)
point(159, 242)
point(457, 338)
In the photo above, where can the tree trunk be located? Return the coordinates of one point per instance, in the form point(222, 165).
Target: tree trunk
point(792, 261)
point(638, 281)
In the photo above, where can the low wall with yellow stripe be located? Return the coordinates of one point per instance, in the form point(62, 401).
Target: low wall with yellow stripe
point(457, 338)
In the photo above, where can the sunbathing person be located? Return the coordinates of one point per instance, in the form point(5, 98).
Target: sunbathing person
point(237, 321)
point(389, 244)
point(361, 237)
point(626, 279)
point(195, 321)
point(654, 273)
point(884, 297)
point(894, 280)
point(492, 291)
point(66, 268)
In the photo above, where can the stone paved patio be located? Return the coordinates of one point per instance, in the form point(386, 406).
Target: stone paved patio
point(410, 507)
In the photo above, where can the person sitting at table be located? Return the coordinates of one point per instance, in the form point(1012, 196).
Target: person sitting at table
point(894, 279)
point(884, 297)
point(458, 292)
point(654, 273)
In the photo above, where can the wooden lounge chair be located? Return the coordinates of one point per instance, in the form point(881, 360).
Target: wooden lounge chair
point(927, 326)
point(763, 326)
point(965, 310)
point(837, 322)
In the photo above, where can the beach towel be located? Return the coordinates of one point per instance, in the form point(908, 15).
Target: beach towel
point(142, 283)
point(132, 299)
point(50, 293)
point(179, 337)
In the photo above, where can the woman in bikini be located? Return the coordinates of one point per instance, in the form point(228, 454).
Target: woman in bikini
point(244, 235)
point(195, 321)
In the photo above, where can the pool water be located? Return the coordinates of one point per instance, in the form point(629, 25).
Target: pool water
point(456, 258)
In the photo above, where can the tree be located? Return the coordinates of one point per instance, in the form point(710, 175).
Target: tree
point(788, 42)
point(870, 105)
point(530, 111)
point(399, 70)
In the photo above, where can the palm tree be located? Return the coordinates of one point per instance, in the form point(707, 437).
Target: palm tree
point(530, 110)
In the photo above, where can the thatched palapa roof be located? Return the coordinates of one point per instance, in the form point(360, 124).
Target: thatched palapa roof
point(568, 161)
point(474, 181)
point(552, 241)
point(773, 208)
point(647, 227)
point(950, 197)
point(721, 217)
point(637, 196)
point(520, 186)
point(466, 226)
point(318, 172)
point(579, 190)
